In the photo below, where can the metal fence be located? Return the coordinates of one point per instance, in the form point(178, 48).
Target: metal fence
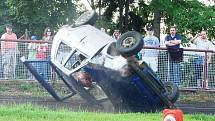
point(193, 74)
point(196, 70)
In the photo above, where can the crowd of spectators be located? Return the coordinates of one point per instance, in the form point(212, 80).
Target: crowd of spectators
point(36, 51)
point(39, 51)
point(173, 43)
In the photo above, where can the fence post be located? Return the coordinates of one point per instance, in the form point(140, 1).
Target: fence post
point(205, 71)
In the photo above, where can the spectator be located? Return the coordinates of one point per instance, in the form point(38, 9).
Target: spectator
point(201, 41)
point(108, 31)
point(9, 51)
point(48, 34)
point(213, 44)
point(116, 34)
point(32, 51)
point(172, 42)
point(213, 41)
point(150, 56)
point(103, 30)
point(42, 67)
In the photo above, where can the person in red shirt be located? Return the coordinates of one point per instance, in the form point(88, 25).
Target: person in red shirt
point(9, 50)
point(41, 51)
point(42, 67)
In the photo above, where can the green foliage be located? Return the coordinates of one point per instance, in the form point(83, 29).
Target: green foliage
point(3, 88)
point(119, 6)
point(103, 22)
point(1, 30)
point(3, 15)
point(189, 16)
point(111, 7)
point(193, 17)
point(36, 15)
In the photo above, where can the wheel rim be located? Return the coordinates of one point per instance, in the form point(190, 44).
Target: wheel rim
point(128, 42)
point(169, 90)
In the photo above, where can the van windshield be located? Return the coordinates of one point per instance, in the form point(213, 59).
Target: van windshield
point(62, 52)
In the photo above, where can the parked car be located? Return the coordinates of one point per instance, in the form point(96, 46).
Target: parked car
point(86, 58)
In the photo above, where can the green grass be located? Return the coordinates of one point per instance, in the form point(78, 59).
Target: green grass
point(27, 112)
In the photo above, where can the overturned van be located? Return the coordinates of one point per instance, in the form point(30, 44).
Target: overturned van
point(87, 58)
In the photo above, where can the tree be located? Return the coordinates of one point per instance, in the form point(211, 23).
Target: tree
point(193, 16)
point(122, 8)
point(4, 11)
point(36, 15)
point(189, 16)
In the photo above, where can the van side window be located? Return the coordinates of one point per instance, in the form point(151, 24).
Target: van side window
point(76, 59)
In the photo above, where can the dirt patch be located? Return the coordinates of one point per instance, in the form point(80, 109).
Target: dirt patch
point(73, 105)
point(196, 97)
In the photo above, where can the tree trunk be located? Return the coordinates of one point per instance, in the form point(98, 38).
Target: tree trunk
point(92, 4)
point(121, 7)
point(100, 8)
point(126, 16)
point(157, 19)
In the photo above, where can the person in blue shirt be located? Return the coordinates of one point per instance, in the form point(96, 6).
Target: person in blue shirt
point(150, 56)
point(173, 41)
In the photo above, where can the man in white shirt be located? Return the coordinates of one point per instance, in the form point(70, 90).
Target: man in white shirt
point(201, 41)
point(9, 50)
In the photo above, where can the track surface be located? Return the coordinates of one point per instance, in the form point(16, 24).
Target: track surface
point(75, 104)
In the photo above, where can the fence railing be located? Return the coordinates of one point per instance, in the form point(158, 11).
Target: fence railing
point(195, 70)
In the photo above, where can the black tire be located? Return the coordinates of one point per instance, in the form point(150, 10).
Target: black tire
point(129, 44)
point(172, 91)
point(88, 17)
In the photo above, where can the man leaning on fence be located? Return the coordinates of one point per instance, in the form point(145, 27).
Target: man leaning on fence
point(9, 51)
point(172, 42)
point(150, 56)
point(201, 41)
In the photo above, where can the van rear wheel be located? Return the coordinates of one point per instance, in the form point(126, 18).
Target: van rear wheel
point(172, 91)
point(88, 17)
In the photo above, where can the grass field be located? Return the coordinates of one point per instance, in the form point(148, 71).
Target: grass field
point(28, 112)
